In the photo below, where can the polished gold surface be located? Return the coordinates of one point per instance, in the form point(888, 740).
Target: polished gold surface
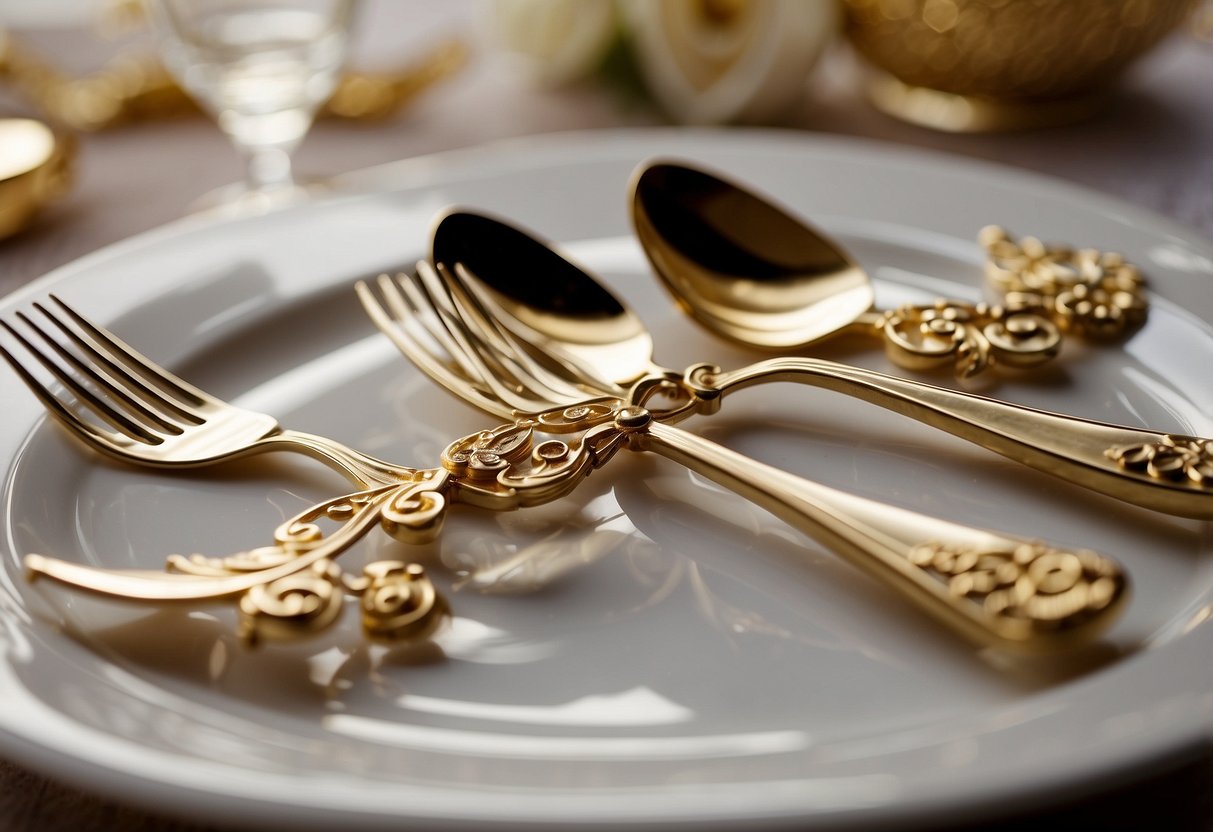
point(983, 65)
point(1033, 584)
point(1182, 458)
point(1072, 449)
point(750, 271)
point(741, 265)
point(35, 170)
point(453, 330)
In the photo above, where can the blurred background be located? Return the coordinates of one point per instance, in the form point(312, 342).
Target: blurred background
point(1113, 94)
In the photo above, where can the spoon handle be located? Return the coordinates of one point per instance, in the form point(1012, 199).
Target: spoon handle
point(998, 590)
point(1160, 471)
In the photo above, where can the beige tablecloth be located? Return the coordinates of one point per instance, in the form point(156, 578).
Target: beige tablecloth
point(1153, 147)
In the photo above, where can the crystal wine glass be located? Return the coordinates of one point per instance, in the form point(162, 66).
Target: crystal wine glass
point(261, 68)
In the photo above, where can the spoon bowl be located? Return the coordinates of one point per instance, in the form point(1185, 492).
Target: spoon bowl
point(742, 266)
point(556, 304)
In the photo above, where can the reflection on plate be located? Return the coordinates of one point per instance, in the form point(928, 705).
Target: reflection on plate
point(649, 648)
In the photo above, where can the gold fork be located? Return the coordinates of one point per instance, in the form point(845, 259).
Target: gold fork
point(993, 588)
point(123, 405)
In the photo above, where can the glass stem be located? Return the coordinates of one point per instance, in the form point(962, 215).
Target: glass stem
point(269, 168)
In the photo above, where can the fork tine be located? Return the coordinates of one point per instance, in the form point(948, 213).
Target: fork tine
point(504, 348)
point(421, 301)
point(135, 363)
point(116, 391)
point(407, 308)
point(498, 372)
point(395, 327)
point(166, 410)
point(575, 380)
point(86, 397)
point(105, 442)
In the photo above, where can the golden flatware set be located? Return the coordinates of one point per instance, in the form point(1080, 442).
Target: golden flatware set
point(510, 326)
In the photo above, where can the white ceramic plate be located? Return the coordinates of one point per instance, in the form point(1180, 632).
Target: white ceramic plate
point(650, 649)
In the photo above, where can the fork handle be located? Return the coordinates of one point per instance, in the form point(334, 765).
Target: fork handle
point(361, 469)
point(1164, 472)
point(998, 590)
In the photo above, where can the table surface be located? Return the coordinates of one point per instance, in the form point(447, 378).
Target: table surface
point(1153, 147)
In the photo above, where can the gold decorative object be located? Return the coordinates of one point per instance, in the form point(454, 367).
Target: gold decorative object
point(972, 337)
point(373, 96)
point(123, 405)
point(560, 421)
point(980, 65)
point(1092, 293)
point(1182, 458)
point(136, 87)
point(752, 272)
point(1032, 583)
point(35, 170)
point(482, 362)
point(1047, 290)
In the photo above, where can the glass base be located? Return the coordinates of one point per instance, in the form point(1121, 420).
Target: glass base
point(239, 200)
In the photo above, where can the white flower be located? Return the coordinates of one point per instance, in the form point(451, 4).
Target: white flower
point(715, 61)
point(556, 41)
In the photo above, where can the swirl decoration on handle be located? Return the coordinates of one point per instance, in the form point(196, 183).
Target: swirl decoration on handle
point(1032, 587)
point(295, 588)
point(398, 601)
point(1045, 291)
point(1176, 458)
point(973, 337)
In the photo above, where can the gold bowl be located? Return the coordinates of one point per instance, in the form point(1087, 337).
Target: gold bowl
point(978, 65)
point(35, 166)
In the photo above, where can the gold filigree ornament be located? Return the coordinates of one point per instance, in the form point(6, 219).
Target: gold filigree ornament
point(1046, 291)
point(1176, 458)
point(1031, 588)
point(973, 337)
point(1093, 294)
point(295, 588)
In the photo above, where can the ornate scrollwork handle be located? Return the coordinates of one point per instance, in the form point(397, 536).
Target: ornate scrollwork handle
point(971, 337)
point(295, 587)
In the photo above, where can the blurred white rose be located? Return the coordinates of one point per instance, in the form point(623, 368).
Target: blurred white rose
point(702, 61)
point(716, 61)
point(556, 41)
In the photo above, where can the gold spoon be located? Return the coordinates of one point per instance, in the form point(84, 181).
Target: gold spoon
point(750, 271)
point(563, 310)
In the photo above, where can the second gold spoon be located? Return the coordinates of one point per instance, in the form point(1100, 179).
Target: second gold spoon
point(751, 271)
